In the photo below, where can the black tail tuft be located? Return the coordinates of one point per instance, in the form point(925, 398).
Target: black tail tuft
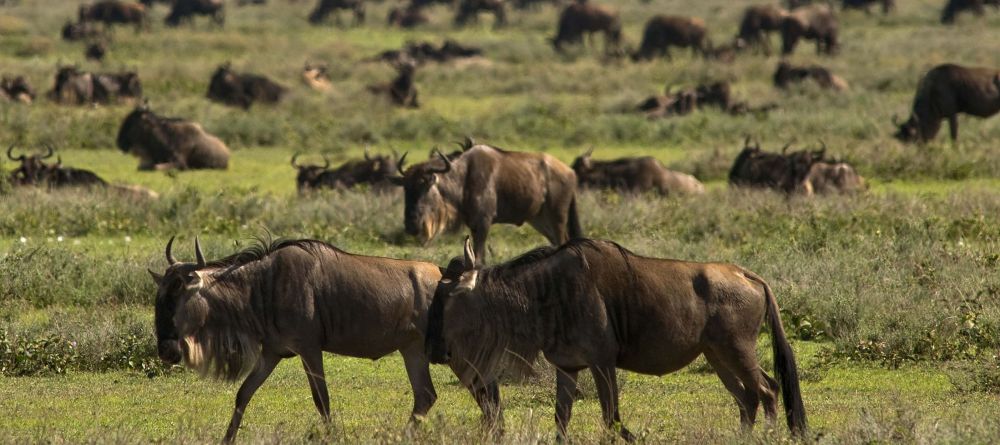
point(785, 368)
point(575, 231)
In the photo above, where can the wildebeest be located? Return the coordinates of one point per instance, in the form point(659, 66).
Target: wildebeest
point(757, 24)
point(242, 89)
point(96, 51)
point(316, 77)
point(815, 22)
point(111, 12)
point(582, 18)
point(407, 17)
point(488, 185)
point(944, 92)
point(34, 171)
point(634, 175)
point(976, 7)
point(187, 9)
point(469, 10)
point(373, 170)
point(76, 87)
point(826, 177)
point(16, 89)
point(591, 304)
point(325, 7)
point(664, 31)
point(423, 52)
point(783, 171)
point(401, 90)
point(241, 315)
point(887, 5)
point(164, 143)
point(80, 31)
point(786, 74)
point(717, 94)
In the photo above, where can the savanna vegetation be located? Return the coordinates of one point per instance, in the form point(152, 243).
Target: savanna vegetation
point(891, 296)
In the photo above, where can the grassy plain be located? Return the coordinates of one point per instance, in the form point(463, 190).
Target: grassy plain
point(890, 296)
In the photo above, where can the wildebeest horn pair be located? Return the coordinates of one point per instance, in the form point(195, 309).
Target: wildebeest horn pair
point(447, 163)
point(466, 144)
point(326, 161)
point(199, 257)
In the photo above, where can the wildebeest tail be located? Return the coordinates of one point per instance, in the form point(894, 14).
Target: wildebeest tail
point(573, 223)
point(785, 368)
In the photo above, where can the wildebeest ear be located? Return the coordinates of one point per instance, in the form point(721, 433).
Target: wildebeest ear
point(157, 278)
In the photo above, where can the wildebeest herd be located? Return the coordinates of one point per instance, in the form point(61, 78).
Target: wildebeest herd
point(584, 304)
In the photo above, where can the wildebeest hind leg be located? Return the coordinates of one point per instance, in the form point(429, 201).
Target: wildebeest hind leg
point(606, 380)
point(419, 373)
point(313, 364)
point(741, 359)
point(733, 385)
point(566, 390)
point(256, 378)
point(488, 399)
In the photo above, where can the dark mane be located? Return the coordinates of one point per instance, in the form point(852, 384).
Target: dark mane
point(264, 247)
point(541, 253)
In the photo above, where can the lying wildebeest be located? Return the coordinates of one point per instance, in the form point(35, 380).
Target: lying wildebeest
point(786, 74)
point(485, 186)
point(816, 22)
point(80, 31)
point(242, 89)
point(111, 12)
point(717, 94)
point(32, 167)
point(76, 87)
point(664, 31)
point(424, 52)
point(151, 3)
point(945, 91)
point(325, 7)
point(866, 5)
point(33, 171)
point(757, 24)
point(594, 305)
point(17, 89)
point(827, 177)
point(582, 18)
point(241, 315)
point(407, 17)
point(373, 170)
point(164, 143)
point(976, 7)
point(401, 90)
point(96, 51)
point(778, 171)
point(186, 10)
point(470, 9)
point(633, 175)
point(316, 77)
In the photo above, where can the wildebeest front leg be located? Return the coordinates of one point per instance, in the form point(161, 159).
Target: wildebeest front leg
point(479, 234)
point(488, 398)
point(256, 378)
point(606, 379)
point(419, 373)
point(566, 390)
point(953, 127)
point(313, 364)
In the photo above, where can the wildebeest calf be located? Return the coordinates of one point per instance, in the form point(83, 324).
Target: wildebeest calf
point(786, 74)
point(583, 18)
point(634, 175)
point(243, 89)
point(664, 31)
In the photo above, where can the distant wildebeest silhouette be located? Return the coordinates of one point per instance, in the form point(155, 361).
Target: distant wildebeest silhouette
point(944, 92)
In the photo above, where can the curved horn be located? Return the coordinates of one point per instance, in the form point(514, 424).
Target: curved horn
point(469, 143)
point(400, 162)
point(447, 162)
point(59, 161)
point(589, 152)
point(10, 150)
point(785, 148)
point(470, 254)
point(326, 162)
point(295, 156)
point(50, 153)
point(170, 256)
point(197, 253)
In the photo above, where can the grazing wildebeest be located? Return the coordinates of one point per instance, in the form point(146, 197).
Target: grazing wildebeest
point(111, 12)
point(470, 9)
point(242, 89)
point(80, 31)
point(778, 171)
point(591, 304)
point(757, 24)
point(423, 52)
point(76, 87)
point(325, 7)
point(33, 171)
point(866, 5)
point(186, 10)
point(587, 18)
point(634, 175)
point(786, 74)
point(373, 170)
point(241, 315)
point(485, 186)
point(976, 7)
point(316, 77)
point(816, 22)
point(96, 51)
point(401, 90)
point(945, 91)
point(164, 143)
point(664, 31)
point(407, 17)
point(16, 89)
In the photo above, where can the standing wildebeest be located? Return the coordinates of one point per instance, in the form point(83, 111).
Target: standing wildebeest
point(815, 22)
point(407, 17)
point(17, 89)
point(96, 51)
point(76, 87)
point(187, 9)
point(325, 7)
point(242, 89)
point(945, 91)
point(373, 170)
point(887, 5)
point(594, 305)
point(634, 175)
point(587, 18)
point(757, 24)
point(164, 143)
point(241, 315)
point(485, 186)
point(401, 90)
point(786, 74)
point(111, 12)
point(953, 7)
point(664, 31)
point(470, 9)
point(80, 31)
